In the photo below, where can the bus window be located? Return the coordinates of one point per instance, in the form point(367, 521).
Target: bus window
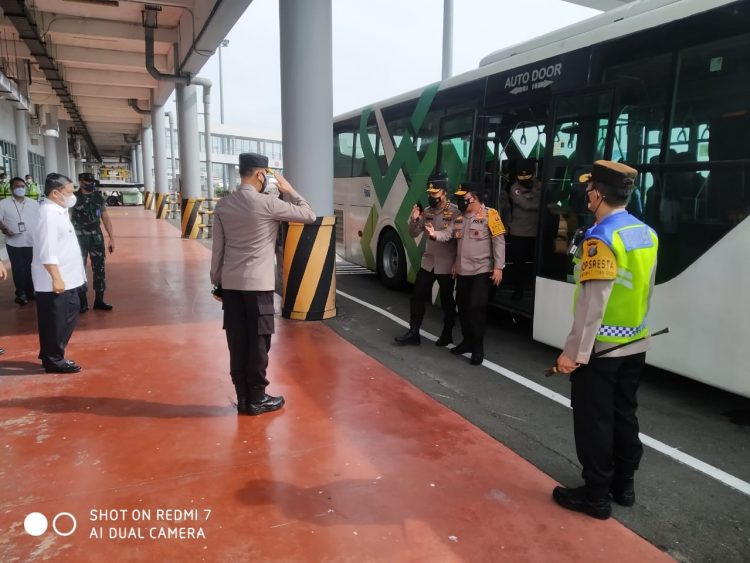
point(706, 190)
point(455, 146)
point(360, 166)
point(343, 148)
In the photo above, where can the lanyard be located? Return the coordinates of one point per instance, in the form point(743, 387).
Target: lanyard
point(22, 206)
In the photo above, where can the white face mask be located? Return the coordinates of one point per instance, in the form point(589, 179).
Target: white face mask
point(19, 192)
point(70, 201)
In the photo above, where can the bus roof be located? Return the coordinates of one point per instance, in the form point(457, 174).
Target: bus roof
point(628, 19)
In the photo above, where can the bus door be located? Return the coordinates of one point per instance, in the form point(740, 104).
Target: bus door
point(580, 134)
point(511, 139)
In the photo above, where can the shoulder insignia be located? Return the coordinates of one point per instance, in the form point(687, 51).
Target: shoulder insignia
point(494, 223)
point(597, 261)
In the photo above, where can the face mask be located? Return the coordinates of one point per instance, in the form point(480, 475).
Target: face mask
point(70, 201)
point(433, 201)
point(19, 192)
point(462, 204)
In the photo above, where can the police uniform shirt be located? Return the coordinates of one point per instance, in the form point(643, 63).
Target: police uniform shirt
point(246, 224)
point(12, 213)
point(438, 256)
point(480, 242)
point(525, 217)
point(589, 311)
point(55, 242)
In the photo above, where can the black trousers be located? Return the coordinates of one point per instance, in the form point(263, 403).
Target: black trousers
point(20, 262)
point(249, 324)
point(603, 396)
point(472, 296)
point(521, 251)
point(423, 292)
point(56, 316)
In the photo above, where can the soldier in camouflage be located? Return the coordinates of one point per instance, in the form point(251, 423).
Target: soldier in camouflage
point(87, 216)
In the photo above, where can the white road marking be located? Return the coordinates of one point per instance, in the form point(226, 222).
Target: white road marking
point(661, 447)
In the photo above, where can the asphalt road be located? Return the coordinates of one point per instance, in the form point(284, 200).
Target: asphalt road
point(687, 514)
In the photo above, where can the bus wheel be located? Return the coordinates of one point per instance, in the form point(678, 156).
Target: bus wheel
point(391, 260)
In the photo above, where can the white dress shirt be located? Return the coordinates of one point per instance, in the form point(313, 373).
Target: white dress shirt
point(55, 242)
point(12, 214)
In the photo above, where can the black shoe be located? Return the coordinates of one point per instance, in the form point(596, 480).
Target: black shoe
point(268, 404)
point(623, 493)
point(461, 348)
point(410, 337)
point(67, 366)
point(476, 359)
point(446, 337)
point(242, 405)
point(102, 306)
point(21, 300)
point(576, 500)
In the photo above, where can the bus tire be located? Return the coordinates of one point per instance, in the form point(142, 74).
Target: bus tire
point(391, 260)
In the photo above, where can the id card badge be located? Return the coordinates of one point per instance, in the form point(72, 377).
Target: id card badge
point(21, 227)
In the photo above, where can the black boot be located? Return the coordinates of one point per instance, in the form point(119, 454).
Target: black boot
point(411, 336)
point(446, 337)
point(477, 355)
point(579, 501)
point(242, 401)
point(84, 301)
point(99, 302)
point(461, 348)
point(623, 491)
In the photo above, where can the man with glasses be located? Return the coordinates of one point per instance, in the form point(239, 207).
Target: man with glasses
point(615, 272)
point(480, 259)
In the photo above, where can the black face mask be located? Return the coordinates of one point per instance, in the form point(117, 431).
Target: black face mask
point(462, 204)
point(433, 201)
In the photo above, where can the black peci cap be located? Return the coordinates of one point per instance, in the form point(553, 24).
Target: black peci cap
point(86, 177)
point(253, 160)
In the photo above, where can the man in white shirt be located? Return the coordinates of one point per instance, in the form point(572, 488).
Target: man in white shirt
point(18, 218)
point(58, 272)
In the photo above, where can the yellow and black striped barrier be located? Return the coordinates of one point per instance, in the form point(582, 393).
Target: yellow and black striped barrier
point(148, 200)
point(309, 271)
point(191, 219)
point(161, 206)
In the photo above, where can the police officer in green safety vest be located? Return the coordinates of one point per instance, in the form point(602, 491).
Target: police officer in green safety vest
point(614, 271)
point(32, 188)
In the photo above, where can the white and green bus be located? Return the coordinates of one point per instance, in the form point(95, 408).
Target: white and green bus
point(662, 85)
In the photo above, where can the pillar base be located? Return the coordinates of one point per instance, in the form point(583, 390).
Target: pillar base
point(191, 219)
point(148, 200)
point(310, 271)
point(161, 206)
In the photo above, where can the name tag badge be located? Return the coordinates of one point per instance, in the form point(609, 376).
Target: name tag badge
point(21, 227)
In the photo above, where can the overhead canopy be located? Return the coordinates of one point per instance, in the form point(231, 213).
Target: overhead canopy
point(88, 58)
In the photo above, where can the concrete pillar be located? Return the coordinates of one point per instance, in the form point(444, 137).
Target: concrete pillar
point(50, 154)
point(307, 123)
point(63, 158)
point(139, 161)
point(190, 170)
point(232, 181)
point(158, 135)
point(172, 157)
point(133, 163)
point(147, 143)
point(20, 120)
point(187, 124)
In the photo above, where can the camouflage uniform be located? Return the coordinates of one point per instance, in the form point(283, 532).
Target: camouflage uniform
point(86, 217)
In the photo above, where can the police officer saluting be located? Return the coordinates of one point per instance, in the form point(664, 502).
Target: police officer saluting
point(480, 259)
point(87, 216)
point(437, 262)
point(615, 278)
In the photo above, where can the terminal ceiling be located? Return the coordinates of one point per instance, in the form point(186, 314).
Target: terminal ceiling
point(87, 58)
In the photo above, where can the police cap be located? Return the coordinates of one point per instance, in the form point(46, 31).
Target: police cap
point(437, 182)
point(614, 175)
point(526, 170)
point(86, 177)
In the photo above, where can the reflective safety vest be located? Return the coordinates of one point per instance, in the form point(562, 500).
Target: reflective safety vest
point(5, 189)
point(32, 190)
point(623, 249)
